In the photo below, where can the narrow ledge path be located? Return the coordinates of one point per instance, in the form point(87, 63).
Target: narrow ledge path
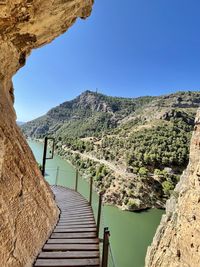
point(73, 241)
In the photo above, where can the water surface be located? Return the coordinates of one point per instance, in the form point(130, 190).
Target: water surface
point(131, 233)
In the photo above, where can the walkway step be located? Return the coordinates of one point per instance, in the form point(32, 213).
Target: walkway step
point(73, 235)
point(69, 247)
point(74, 230)
point(73, 241)
point(69, 254)
point(77, 226)
point(67, 262)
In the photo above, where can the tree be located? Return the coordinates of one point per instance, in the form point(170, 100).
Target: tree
point(167, 187)
point(143, 171)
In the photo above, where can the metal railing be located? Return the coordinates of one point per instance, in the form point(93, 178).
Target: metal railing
point(103, 233)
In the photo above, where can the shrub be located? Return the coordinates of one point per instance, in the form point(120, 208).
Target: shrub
point(167, 187)
point(143, 171)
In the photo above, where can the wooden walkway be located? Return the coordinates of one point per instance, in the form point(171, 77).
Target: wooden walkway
point(73, 241)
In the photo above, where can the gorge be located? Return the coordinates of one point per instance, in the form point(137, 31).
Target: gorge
point(134, 148)
point(27, 209)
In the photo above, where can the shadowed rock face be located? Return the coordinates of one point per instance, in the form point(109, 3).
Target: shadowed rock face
point(27, 210)
point(177, 240)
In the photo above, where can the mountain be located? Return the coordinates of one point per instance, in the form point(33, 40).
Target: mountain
point(135, 148)
point(19, 123)
point(97, 111)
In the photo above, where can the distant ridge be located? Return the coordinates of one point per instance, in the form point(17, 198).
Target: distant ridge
point(20, 123)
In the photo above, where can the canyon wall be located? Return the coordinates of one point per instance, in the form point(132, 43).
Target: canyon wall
point(28, 212)
point(177, 240)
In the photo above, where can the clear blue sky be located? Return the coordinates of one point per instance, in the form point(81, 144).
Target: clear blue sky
point(126, 48)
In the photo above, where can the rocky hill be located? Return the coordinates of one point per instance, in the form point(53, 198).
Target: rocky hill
point(97, 111)
point(135, 148)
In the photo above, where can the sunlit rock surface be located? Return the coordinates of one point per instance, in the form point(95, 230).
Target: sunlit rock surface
point(27, 209)
point(177, 240)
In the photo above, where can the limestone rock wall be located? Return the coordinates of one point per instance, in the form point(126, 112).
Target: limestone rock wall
point(177, 240)
point(27, 209)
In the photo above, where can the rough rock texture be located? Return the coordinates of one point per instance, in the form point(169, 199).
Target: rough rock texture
point(27, 209)
point(177, 240)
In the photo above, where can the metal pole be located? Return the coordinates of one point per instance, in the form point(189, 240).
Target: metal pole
point(105, 247)
point(91, 186)
point(44, 156)
point(57, 172)
point(99, 214)
point(76, 184)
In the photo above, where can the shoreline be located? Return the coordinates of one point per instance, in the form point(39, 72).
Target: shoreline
point(120, 207)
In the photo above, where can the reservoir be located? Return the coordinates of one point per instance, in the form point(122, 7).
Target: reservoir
point(131, 232)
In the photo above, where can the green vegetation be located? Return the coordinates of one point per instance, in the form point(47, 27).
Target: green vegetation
point(167, 187)
point(165, 145)
point(146, 138)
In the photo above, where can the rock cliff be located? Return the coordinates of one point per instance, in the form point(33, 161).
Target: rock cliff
point(27, 209)
point(177, 240)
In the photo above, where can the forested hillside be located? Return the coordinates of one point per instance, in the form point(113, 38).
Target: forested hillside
point(135, 148)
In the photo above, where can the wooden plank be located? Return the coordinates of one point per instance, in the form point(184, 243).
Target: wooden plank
point(75, 203)
point(69, 254)
point(73, 207)
point(70, 213)
point(75, 226)
point(76, 216)
point(69, 199)
point(76, 209)
point(73, 235)
point(71, 210)
point(74, 223)
point(66, 262)
point(72, 200)
point(76, 220)
point(72, 218)
point(73, 241)
point(74, 230)
point(70, 247)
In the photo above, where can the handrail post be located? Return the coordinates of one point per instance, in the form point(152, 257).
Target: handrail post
point(99, 214)
point(44, 156)
point(45, 152)
point(76, 183)
point(105, 247)
point(91, 185)
point(57, 173)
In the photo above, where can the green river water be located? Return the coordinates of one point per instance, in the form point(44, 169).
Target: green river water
point(131, 232)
